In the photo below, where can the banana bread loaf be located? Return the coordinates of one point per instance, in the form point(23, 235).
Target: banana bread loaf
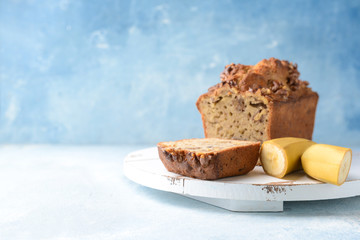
point(209, 158)
point(259, 103)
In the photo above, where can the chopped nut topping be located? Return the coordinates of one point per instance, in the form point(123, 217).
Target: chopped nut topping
point(274, 78)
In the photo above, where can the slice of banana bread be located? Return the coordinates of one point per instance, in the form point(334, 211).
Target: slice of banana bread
point(259, 103)
point(209, 158)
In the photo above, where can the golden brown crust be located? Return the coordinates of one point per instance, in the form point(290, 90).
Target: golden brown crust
point(273, 78)
point(294, 118)
point(232, 161)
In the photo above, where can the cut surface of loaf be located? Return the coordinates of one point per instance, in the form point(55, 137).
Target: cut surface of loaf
point(209, 158)
point(259, 103)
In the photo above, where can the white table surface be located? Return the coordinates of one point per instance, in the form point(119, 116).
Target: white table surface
point(80, 192)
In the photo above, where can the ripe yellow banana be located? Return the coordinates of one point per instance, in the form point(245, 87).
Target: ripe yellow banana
point(327, 163)
point(283, 155)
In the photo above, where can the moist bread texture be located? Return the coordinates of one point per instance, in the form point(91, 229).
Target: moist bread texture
point(209, 158)
point(258, 103)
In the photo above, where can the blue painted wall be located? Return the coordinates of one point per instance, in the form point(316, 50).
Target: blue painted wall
point(108, 72)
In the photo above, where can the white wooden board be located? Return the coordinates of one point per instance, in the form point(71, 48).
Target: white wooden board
point(255, 191)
